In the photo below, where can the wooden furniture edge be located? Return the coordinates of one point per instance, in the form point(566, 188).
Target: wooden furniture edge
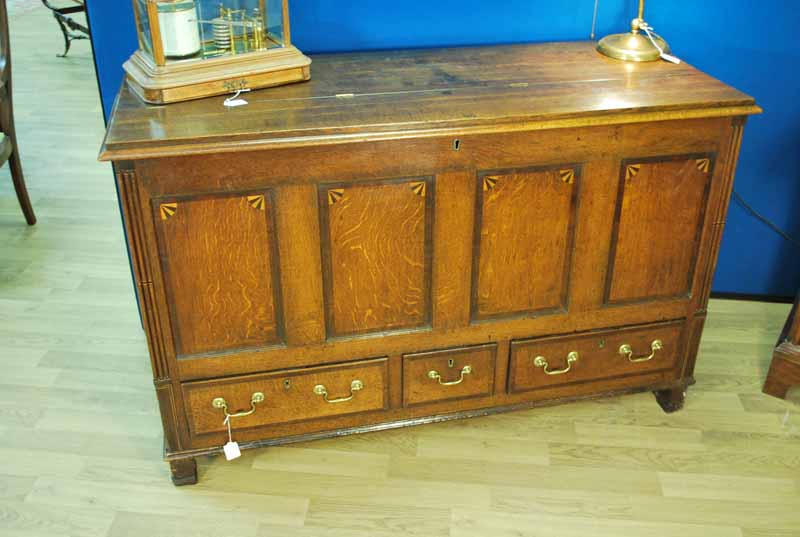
point(232, 144)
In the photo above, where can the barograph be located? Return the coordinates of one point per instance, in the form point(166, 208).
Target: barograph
point(198, 48)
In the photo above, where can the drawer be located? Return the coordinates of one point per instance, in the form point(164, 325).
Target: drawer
point(287, 396)
point(552, 361)
point(448, 374)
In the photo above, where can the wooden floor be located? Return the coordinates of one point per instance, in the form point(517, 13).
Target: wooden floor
point(80, 439)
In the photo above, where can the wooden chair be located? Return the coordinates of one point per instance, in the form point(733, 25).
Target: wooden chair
point(9, 150)
point(70, 28)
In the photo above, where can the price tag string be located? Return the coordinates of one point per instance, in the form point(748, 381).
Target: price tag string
point(648, 30)
point(228, 423)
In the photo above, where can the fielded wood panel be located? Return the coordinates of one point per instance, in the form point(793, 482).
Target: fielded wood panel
point(659, 219)
point(289, 396)
point(218, 255)
point(376, 250)
point(524, 237)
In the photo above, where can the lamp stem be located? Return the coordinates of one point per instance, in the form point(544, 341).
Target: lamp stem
point(641, 10)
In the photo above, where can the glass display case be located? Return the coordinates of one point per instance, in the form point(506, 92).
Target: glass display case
point(217, 40)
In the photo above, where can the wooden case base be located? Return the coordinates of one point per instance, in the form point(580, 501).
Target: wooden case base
point(183, 81)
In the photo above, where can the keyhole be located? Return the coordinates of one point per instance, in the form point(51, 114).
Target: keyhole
point(287, 384)
point(451, 362)
point(456, 145)
point(602, 343)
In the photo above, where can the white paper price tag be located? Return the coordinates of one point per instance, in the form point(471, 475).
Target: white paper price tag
point(235, 100)
point(232, 451)
point(232, 103)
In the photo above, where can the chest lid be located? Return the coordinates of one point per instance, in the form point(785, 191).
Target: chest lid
point(395, 94)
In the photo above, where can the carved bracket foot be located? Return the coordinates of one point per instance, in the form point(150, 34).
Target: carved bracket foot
point(671, 400)
point(184, 472)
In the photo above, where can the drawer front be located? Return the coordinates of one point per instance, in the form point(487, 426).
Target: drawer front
point(552, 361)
point(287, 396)
point(448, 374)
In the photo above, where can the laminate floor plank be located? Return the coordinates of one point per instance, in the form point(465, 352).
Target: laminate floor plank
point(14, 487)
point(401, 520)
point(23, 519)
point(81, 441)
point(717, 487)
point(133, 524)
point(502, 524)
point(362, 490)
point(493, 473)
point(165, 499)
point(667, 459)
point(87, 444)
point(322, 462)
point(474, 450)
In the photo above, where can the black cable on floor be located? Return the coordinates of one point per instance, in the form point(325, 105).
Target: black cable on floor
point(764, 220)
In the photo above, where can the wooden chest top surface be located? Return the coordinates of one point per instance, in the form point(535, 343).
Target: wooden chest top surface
point(397, 94)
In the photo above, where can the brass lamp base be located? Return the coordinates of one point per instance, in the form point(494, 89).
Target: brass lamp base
point(632, 47)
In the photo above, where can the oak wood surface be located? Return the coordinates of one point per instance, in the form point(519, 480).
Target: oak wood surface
point(289, 396)
point(599, 356)
point(524, 232)
point(452, 244)
point(419, 387)
point(661, 207)
point(376, 255)
point(405, 91)
point(223, 293)
point(288, 171)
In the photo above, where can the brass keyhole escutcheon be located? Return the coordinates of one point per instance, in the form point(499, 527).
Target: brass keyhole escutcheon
point(287, 384)
point(457, 145)
point(451, 363)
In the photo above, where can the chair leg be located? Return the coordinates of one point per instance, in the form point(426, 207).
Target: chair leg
point(67, 40)
point(19, 185)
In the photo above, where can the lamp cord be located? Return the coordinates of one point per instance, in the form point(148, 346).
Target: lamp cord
point(764, 220)
point(594, 20)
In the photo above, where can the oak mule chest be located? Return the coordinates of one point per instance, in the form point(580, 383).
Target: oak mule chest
point(423, 235)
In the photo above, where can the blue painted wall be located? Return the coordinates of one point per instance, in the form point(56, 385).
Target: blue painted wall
point(750, 45)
